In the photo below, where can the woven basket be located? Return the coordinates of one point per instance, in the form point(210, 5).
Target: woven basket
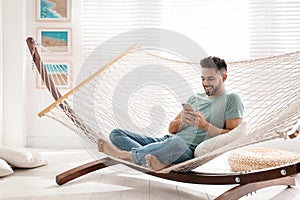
point(254, 158)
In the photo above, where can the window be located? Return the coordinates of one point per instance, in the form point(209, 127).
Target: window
point(274, 27)
point(219, 27)
point(103, 20)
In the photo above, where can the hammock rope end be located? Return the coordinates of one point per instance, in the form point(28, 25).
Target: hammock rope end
point(294, 132)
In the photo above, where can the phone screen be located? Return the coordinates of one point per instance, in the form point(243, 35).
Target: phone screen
point(187, 106)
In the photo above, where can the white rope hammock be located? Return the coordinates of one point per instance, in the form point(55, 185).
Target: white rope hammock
point(142, 92)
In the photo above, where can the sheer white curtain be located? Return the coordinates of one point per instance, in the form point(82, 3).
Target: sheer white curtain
point(232, 29)
point(219, 27)
point(103, 20)
point(274, 27)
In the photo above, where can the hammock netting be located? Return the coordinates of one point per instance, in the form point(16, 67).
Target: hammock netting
point(142, 91)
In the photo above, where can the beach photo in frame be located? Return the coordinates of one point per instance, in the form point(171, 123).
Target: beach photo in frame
point(53, 10)
point(60, 72)
point(55, 40)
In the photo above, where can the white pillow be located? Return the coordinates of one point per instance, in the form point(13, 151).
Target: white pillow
point(221, 140)
point(5, 169)
point(22, 157)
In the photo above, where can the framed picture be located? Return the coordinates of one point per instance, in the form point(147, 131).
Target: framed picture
point(53, 10)
point(59, 72)
point(54, 40)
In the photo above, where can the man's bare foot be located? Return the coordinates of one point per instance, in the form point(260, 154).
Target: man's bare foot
point(154, 163)
point(109, 149)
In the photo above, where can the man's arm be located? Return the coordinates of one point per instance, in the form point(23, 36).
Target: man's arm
point(198, 119)
point(176, 124)
point(229, 124)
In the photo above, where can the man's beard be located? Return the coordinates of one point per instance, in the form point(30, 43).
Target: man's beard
point(213, 91)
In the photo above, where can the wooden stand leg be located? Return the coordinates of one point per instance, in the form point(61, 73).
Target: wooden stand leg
point(232, 194)
point(241, 190)
point(84, 169)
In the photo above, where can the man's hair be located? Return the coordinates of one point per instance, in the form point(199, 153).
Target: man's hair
point(214, 62)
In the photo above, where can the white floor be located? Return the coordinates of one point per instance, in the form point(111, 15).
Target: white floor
point(118, 182)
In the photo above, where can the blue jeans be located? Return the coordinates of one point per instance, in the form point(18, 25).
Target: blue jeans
point(168, 149)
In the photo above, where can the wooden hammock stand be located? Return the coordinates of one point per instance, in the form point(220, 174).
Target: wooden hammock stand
point(246, 182)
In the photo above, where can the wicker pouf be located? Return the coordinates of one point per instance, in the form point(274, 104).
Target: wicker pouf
point(254, 158)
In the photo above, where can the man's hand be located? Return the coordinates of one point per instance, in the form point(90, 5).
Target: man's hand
point(196, 119)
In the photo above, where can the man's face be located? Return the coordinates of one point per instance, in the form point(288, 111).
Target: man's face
point(213, 81)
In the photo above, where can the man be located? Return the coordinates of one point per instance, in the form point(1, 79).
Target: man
point(214, 112)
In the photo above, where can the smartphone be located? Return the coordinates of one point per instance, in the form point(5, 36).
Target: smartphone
point(187, 106)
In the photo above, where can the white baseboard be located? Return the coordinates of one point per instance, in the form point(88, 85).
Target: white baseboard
point(13, 140)
point(54, 142)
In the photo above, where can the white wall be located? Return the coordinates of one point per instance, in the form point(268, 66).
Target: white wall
point(1, 74)
point(45, 132)
point(14, 85)
point(21, 100)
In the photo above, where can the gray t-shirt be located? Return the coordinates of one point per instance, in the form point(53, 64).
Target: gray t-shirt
point(216, 111)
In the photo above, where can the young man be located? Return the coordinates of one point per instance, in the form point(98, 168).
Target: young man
point(214, 112)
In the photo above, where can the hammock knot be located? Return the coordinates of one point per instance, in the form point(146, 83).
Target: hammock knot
point(282, 134)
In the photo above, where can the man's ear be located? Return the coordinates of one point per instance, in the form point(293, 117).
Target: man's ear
point(224, 76)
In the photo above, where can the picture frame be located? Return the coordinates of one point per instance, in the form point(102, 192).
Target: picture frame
point(60, 72)
point(55, 40)
point(53, 10)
